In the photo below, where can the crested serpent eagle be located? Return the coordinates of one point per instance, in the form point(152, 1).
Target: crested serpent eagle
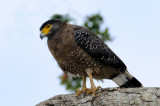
point(80, 52)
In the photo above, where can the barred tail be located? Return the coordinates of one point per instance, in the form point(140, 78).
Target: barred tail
point(126, 80)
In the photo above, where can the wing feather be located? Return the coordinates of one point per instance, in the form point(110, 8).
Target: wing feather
point(98, 50)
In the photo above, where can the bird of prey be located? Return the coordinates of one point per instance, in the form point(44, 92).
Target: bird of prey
point(80, 52)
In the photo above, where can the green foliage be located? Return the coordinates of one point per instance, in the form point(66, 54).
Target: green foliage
point(93, 23)
point(70, 84)
point(65, 18)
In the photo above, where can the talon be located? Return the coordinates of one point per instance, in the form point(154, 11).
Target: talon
point(89, 91)
point(78, 92)
point(84, 89)
point(93, 90)
point(98, 88)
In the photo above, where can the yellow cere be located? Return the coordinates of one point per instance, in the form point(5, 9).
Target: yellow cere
point(46, 29)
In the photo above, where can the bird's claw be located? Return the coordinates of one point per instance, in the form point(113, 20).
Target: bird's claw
point(93, 90)
point(84, 89)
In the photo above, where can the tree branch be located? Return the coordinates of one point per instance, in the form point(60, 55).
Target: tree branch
point(109, 97)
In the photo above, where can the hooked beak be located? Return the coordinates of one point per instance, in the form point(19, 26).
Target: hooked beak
point(42, 35)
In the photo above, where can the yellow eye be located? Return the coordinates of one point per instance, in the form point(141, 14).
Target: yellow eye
point(46, 29)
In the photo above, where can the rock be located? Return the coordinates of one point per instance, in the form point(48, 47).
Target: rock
point(109, 97)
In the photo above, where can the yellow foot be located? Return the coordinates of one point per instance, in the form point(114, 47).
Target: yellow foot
point(93, 90)
point(84, 89)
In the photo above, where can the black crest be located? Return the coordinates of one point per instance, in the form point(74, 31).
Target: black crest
point(51, 21)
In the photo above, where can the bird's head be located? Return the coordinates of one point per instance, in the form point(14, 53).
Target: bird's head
point(50, 27)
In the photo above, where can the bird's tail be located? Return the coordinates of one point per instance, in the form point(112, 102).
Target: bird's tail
point(126, 80)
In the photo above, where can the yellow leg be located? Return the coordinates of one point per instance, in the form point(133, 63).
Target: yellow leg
point(84, 88)
point(93, 87)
